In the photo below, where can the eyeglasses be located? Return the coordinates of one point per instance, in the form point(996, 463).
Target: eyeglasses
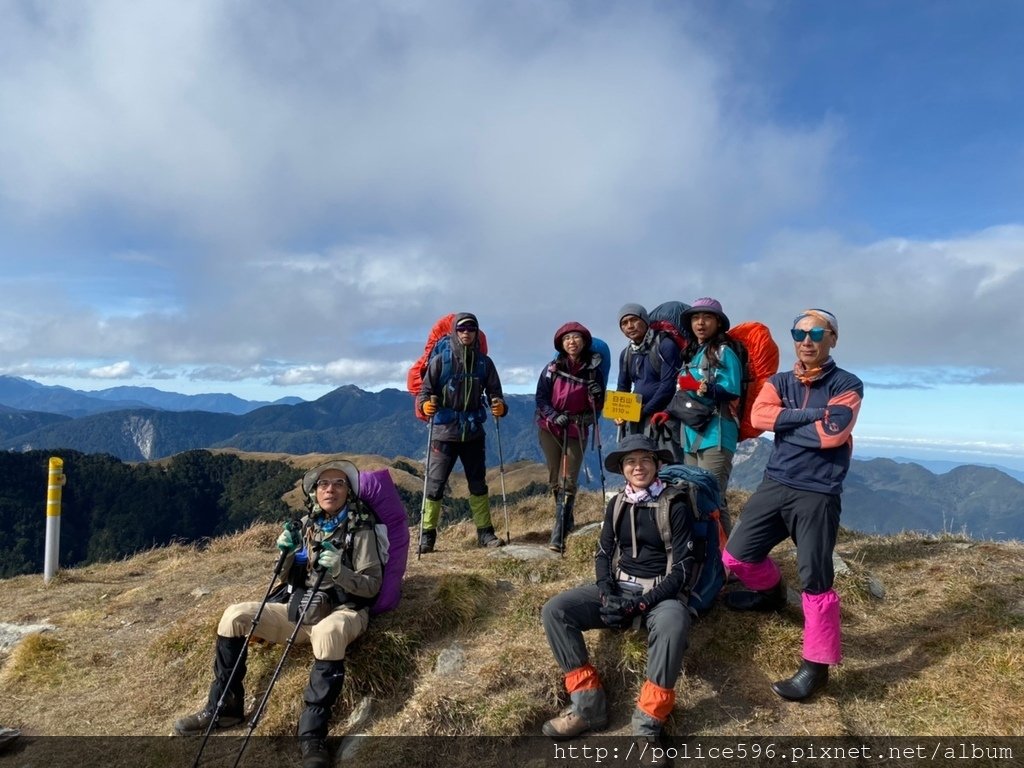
point(466, 329)
point(338, 483)
point(572, 337)
point(816, 334)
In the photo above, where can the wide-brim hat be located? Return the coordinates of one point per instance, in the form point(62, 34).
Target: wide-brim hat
point(709, 305)
point(309, 479)
point(630, 443)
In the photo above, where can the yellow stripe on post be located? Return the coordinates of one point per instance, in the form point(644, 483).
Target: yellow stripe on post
point(53, 489)
point(55, 484)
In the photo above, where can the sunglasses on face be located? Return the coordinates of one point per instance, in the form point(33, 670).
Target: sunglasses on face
point(466, 329)
point(816, 334)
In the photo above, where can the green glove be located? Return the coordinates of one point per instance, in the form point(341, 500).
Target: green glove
point(287, 542)
point(330, 559)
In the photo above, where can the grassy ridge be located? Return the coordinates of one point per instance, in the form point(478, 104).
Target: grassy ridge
point(940, 654)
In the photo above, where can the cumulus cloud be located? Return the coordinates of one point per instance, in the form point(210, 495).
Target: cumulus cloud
point(943, 310)
point(121, 370)
point(294, 194)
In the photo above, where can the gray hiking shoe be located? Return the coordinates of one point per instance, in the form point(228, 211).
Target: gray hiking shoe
point(196, 725)
point(485, 538)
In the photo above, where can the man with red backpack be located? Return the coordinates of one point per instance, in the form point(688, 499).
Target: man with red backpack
point(459, 388)
point(648, 366)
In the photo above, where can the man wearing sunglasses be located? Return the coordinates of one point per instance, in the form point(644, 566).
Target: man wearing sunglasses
point(811, 410)
point(459, 389)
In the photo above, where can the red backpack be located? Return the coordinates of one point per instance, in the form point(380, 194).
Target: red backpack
point(759, 356)
point(440, 332)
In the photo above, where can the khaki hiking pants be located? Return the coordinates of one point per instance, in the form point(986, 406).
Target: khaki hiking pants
point(329, 637)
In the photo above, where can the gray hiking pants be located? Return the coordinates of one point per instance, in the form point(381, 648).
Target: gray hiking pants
point(718, 462)
point(568, 615)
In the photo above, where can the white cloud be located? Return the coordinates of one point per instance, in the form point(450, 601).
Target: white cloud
point(299, 195)
point(121, 370)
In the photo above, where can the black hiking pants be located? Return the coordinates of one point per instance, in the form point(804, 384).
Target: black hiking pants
point(775, 512)
point(443, 454)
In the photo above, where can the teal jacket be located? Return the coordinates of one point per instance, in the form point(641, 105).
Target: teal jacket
point(723, 391)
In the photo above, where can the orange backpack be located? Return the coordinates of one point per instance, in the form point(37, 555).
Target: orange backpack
point(440, 332)
point(759, 355)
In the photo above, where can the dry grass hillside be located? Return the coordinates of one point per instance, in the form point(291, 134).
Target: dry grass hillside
point(941, 652)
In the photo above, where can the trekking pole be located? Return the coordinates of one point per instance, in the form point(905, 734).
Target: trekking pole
point(426, 475)
point(293, 525)
point(565, 477)
point(273, 679)
point(501, 472)
point(597, 442)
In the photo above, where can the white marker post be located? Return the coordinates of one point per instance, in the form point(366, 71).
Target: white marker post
point(51, 560)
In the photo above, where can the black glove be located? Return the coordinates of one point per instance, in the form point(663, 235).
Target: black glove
point(594, 388)
point(620, 611)
point(560, 419)
point(607, 588)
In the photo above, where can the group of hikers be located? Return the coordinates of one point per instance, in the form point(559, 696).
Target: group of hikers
point(646, 552)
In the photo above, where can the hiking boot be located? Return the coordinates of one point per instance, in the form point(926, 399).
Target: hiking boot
point(314, 753)
point(196, 725)
point(810, 678)
point(427, 540)
point(773, 599)
point(485, 538)
point(569, 725)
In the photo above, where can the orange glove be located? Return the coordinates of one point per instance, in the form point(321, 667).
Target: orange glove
point(498, 407)
point(429, 407)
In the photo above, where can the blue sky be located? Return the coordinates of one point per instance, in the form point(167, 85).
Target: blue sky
point(278, 199)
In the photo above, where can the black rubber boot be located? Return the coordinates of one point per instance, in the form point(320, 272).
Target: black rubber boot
point(228, 651)
point(557, 542)
point(773, 599)
point(809, 679)
point(325, 681)
point(427, 541)
point(570, 520)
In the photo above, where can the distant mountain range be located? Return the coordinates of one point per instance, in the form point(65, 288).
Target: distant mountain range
point(940, 467)
point(27, 395)
point(141, 424)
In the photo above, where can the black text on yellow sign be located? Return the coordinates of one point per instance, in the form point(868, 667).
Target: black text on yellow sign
point(622, 405)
